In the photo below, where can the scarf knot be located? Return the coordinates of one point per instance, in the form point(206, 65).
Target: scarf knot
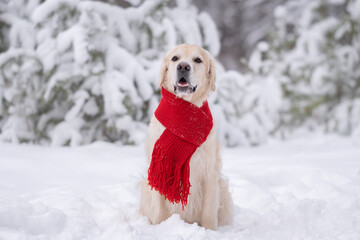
point(187, 127)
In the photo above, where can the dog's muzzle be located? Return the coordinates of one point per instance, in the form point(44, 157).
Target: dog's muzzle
point(183, 84)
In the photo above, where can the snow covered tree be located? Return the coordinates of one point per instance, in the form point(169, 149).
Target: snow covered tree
point(242, 24)
point(248, 105)
point(4, 30)
point(97, 66)
point(21, 77)
point(116, 57)
point(315, 56)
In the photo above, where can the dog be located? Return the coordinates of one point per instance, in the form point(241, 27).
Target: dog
point(188, 71)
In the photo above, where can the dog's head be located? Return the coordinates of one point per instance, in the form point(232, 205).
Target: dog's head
point(189, 72)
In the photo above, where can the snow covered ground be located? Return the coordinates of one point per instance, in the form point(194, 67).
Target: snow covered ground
point(306, 188)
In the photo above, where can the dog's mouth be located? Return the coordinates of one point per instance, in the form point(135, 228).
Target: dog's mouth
point(183, 86)
point(183, 82)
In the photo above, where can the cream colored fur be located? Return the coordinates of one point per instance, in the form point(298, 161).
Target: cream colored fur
point(209, 202)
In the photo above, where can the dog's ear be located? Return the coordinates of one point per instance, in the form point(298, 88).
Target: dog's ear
point(164, 69)
point(211, 74)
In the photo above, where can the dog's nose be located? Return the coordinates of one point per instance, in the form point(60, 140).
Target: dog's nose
point(183, 67)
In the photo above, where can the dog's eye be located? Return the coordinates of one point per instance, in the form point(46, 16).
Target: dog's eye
point(175, 58)
point(198, 60)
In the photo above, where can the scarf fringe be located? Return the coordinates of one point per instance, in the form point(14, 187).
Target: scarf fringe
point(166, 173)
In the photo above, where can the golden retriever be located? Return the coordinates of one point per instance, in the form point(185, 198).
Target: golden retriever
point(209, 202)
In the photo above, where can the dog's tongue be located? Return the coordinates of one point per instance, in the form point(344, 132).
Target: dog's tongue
point(183, 84)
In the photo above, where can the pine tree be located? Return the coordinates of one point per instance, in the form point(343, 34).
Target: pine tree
point(314, 54)
point(248, 105)
point(97, 67)
point(21, 77)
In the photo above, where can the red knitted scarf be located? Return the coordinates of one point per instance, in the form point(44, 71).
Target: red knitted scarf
point(187, 127)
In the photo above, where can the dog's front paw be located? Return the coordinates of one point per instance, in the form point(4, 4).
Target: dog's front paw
point(158, 217)
point(209, 223)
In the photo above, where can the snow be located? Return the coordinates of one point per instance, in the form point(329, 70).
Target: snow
point(280, 11)
point(354, 9)
point(306, 188)
point(45, 9)
point(212, 40)
point(67, 131)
